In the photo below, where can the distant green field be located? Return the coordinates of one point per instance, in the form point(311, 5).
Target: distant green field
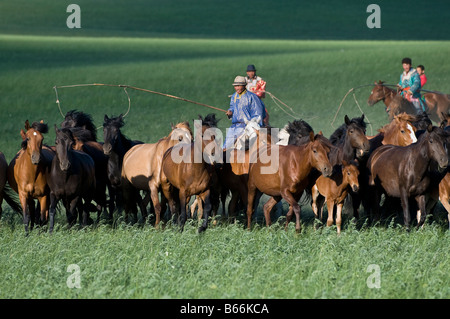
point(311, 55)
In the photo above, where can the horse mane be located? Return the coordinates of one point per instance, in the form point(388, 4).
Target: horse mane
point(421, 121)
point(298, 128)
point(209, 120)
point(83, 135)
point(339, 134)
point(80, 119)
point(40, 127)
point(185, 125)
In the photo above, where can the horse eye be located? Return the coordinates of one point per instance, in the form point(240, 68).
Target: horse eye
point(431, 140)
point(180, 138)
point(351, 131)
point(403, 132)
point(348, 173)
point(315, 151)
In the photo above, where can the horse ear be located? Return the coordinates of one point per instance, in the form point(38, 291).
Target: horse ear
point(344, 163)
point(430, 127)
point(121, 116)
point(311, 136)
point(23, 134)
point(320, 133)
point(172, 126)
point(27, 125)
point(106, 118)
point(347, 120)
point(362, 117)
point(56, 129)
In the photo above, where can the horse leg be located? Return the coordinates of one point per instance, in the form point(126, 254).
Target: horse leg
point(405, 206)
point(330, 207)
point(444, 196)
point(44, 203)
point(25, 210)
point(317, 204)
point(207, 209)
point(339, 217)
point(53, 202)
point(422, 209)
point(250, 201)
point(268, 206)
point(155, 199)
point(287, 196)
point(183, 214)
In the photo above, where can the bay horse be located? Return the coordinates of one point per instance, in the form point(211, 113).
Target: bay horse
point(333, 190)
point(141, 170)
point(71, 179)
point(403, 172)
point(115, 146)
point(290, 179)
point(27, 173)
point(184, 174)
point(437, 104)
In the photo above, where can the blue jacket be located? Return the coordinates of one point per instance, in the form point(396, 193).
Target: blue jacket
point(411, 80)
point(246, 106)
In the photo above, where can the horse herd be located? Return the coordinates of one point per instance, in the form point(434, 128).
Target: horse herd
point(407, 159)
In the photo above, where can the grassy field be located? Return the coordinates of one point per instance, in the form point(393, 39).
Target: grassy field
point(310, 71)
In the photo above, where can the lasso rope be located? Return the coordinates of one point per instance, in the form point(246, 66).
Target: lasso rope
point(125, 87)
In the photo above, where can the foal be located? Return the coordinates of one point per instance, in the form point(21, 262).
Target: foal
point(333, 190)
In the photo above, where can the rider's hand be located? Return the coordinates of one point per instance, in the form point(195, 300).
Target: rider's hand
point(229, 113)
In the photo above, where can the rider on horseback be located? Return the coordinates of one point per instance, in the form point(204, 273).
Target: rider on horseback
point(409, 85)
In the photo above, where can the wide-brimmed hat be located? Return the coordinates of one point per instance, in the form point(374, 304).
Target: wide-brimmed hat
point(239, 80)
point(251, 67)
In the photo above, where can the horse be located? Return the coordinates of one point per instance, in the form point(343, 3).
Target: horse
point(187, 170)
point(27, 173)
point(209, 122)
point(289, 179)
point(437, 104)
point(403, 172)
point(400, 131)
point(333, 190)
point(141, 170)
point(115, 146)
point(234, 171)
point(5, 189)
point(85, 135)
point(71, 179)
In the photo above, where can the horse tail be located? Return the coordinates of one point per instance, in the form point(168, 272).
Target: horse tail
point(12, 199)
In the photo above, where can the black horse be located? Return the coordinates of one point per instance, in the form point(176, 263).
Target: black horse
point(75, 118)
point(71, 179)
point(115, 146)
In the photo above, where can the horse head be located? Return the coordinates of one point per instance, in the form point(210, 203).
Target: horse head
point(378, 93)
point(436, 139)
point(32, 139)
point(111, 132)
point(64, 143)
point(319, 154)
point(350, 174)
point(400, 131)
point(356, 135)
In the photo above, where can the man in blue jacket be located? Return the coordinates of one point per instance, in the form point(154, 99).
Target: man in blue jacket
point(409, 85)
point(245, 107)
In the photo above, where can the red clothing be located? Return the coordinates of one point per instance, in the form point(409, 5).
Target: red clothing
point(423, 80)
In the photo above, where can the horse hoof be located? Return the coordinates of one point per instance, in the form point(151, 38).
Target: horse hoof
point(201, 229)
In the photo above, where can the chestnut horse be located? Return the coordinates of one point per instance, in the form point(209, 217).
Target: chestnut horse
point(187, 170)
point(290, 179)
point(71, 179)
point(333, 190)
point(436, 103)
point(27, 173)
point(400, 131)
point(403, 172)
point(141, 170)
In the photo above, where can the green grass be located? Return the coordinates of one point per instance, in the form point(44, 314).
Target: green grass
point(162, 49)
point(225, 262)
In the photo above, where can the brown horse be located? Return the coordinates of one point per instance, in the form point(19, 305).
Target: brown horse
point(404, 172)
point(141, 169)
point(188, 170)
point(333, 190)
point(437, 104)
point(290, 178)
point(400, 131)
point(27, 172)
